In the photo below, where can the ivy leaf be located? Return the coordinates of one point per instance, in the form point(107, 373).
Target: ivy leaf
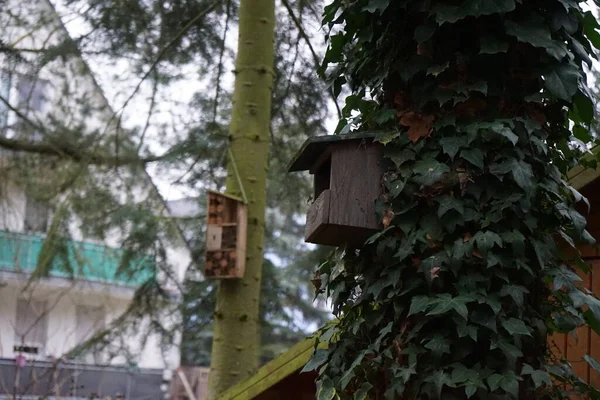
point(501, 169)
point(516, 327)
point(377, 235)
point(537, 34)
point(424, 32)
point(406, 248)
point(590, 26)
point(438, 69)
point(486, 240)
point(491, 45)
point(407, 372)
point(523, 175)
point(470, 390)
point(542, 251)
point(564, 19)
point(562, 81)
point(318, 359)
point(472, 8)
point(385, 115)
point(439, 345)
point(515, 239)
point(581, 299)
point(336, 47)
point(508, 348)
point(327, 390)
point(431, 225)
point(592, 362)
point(445, 302)
point(376, 5)
point(539, 377)
point(474, 156)
point(429, 171)
point(349, 374)
point(507, 382)
point(493, 302)
point(361, 393)
point(584, 107)
point(451, 144)
point(419, 304)
point(448, 203)
point(386, 137)
point(439, 378)
point(592, 321)
point(515, 291)
point(507, 133)
point(395, 187)
point(486, 320)
point(400, 157)
point(464, 329)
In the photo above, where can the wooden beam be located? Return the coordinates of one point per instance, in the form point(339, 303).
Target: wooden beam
point(186, 385)
point(275, 371)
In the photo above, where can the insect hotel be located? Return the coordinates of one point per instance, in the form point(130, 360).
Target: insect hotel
point(225, 237)
point(347, 173)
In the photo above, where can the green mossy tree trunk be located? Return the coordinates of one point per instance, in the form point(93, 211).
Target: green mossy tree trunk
point(236, 326)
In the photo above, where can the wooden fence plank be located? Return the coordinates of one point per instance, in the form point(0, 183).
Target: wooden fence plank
point(594, 337)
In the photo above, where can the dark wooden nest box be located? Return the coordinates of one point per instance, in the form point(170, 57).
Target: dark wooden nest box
point(347, 171)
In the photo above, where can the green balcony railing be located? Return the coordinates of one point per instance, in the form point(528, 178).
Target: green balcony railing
point(21, 251)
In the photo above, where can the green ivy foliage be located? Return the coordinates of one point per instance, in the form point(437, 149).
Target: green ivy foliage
point(479, 102)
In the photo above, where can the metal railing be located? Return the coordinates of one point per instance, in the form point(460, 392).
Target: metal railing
point(84, 260)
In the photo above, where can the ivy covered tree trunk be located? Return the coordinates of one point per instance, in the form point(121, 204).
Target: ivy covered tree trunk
point(475, 101)
point(236, 319)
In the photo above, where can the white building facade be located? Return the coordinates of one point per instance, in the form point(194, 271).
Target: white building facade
point(44, 322)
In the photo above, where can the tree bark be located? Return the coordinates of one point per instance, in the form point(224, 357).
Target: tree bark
point(236, 338)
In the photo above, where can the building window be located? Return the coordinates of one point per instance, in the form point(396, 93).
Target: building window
point(36, 216)
point(90, 320)
point(5, 85)
point(31, 326)
point(31, 100)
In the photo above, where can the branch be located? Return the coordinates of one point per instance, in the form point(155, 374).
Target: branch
point(75, 153)
point(312, 50)
point(64, 150)
point(162, 52)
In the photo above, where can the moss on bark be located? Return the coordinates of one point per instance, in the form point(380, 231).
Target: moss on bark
point(236, 326)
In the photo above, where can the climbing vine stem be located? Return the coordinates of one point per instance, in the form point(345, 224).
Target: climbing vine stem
point(480, 103)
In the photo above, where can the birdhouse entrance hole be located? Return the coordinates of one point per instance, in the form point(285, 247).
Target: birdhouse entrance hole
point(323, 177)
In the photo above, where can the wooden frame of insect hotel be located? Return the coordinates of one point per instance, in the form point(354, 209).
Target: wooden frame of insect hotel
point(347, 173)
point(225, 236)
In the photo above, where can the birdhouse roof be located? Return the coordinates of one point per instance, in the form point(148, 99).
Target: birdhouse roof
point(313, 147)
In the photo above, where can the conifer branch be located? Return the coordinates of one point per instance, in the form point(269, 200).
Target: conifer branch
point(306, 38)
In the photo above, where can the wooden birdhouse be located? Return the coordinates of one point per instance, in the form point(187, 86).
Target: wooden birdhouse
point(347, 173)
point(225, 237)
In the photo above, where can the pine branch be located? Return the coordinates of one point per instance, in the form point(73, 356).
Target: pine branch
point(304, 35)
point(160, 55)
point(65, 150)
point(75, 153)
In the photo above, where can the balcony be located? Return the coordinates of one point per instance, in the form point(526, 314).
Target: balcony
point(92, 262)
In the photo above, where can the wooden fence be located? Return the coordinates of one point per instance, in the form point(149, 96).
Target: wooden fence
point(587, 341)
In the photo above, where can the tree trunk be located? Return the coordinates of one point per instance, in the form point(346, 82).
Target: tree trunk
point(236, 327)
